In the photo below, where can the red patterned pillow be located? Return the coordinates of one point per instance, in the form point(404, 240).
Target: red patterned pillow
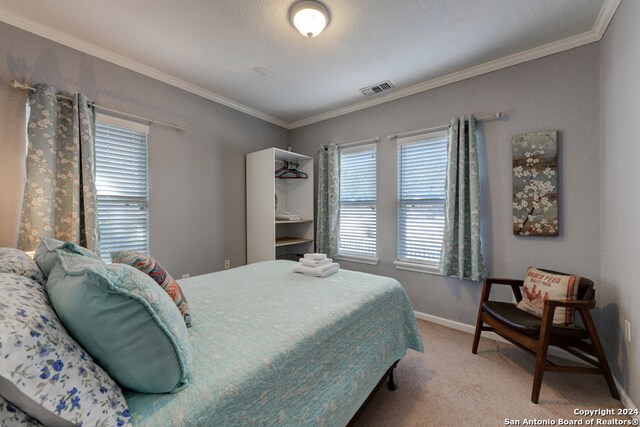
point(540, 285)
point(150, 266)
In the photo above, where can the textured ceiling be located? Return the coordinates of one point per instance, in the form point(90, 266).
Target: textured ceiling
point(214, 46)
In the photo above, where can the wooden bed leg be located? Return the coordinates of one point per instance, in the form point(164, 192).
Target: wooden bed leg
point(390, 384)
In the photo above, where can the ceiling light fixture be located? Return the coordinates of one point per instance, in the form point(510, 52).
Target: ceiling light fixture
point(309, 17)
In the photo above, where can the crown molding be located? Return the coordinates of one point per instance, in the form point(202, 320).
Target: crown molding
point(595, 34)
point(487, 67)
point(604, 18)
point(114, 58)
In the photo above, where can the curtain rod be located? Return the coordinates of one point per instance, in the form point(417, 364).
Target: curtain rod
point(17, 85)
point(495, 116)
point(361, 142)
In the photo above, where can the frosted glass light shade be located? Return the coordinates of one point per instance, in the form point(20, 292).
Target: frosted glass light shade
point(310, 18)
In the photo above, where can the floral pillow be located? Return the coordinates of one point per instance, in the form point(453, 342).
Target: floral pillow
point(540, 285)
point(12, 416)
point(150, 266)
point(44, 371)
point(14, 260)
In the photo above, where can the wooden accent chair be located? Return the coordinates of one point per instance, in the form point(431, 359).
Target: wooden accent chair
point(535, 335)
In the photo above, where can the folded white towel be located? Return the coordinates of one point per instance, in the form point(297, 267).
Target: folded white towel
point(311, 263)
point(322, 271)
point(320, 268)
point(316, 256)
point(288, 216)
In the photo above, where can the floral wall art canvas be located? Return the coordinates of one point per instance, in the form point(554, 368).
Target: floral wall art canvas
point(535, 184)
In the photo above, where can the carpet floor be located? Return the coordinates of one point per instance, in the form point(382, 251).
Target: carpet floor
point(447, 385)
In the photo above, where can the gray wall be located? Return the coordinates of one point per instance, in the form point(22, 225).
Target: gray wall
point(197, 211)
point(556, 92)
point(620, 174)
point(197, 179)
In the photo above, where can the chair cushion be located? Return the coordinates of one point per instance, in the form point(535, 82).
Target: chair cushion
point(124, 320)
point(526, 323)
point(542, 285)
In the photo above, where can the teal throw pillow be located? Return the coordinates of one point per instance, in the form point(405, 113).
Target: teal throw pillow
point(128, 323)
point(46, 255)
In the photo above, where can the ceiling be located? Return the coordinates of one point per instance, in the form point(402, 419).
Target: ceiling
point(211, 47)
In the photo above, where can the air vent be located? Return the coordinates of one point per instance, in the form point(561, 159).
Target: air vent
point(377, 88)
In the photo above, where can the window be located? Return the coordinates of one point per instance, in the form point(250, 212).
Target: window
point(357, 235)
point(422, 168)
point(121, 181)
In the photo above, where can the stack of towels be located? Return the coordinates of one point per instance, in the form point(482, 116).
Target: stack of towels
point(316, 265)
point(288, 216)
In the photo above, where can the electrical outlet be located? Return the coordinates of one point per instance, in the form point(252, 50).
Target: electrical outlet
point(186, 275)
point(627, 331)
point(227, 264)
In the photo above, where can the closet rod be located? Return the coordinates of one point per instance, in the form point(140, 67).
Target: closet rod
point(361, 142)
point(490, 117)
point(17, 85)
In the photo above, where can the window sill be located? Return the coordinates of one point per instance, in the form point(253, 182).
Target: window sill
point(420, 268)
point(360, 259)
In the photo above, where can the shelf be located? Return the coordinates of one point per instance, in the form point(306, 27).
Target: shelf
point(266, 233)
point(286, 241)
point(289, 156)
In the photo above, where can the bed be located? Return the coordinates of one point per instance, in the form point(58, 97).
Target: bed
point(268, 346)
point(273, 347)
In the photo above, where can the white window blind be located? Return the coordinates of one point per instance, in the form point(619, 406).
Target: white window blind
point(422, 168)
point(357, 235)
point(121, 181)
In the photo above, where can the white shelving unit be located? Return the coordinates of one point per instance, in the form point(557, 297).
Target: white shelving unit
point(268, 238)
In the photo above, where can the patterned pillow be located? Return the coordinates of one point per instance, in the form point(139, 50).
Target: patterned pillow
point(44, 371)
point(46, 255)
point(16, 261)
point(124, 320)
point(12, 416)
point(540, 286)
point(150, 266)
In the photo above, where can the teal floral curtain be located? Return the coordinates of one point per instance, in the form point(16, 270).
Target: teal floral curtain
point(328, 200)
point(461, 247)
point(60, 191)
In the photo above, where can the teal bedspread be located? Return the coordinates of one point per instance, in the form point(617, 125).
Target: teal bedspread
point(276, 348)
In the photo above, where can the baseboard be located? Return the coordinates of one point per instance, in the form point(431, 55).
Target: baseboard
point(470, 329)
point(464, 327)
point(626, 400)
